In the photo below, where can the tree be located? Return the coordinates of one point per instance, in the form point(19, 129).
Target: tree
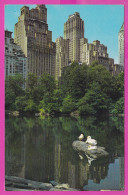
point(38, 87)
point(31, 85)
point(21, 103)
point(99, 73)
point(9, 99)
point(15, 83)
point(68, 105)
point(118, 107)
point(31, 106)
point(94, 101)
point(46, 84)
point(117, 87)
point(74, 80)
point(54, 103)
point(13, 89)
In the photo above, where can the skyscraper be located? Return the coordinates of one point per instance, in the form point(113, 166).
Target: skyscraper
point(32, 34)
point(62, 55)
point(121, 45)
point(74, 31)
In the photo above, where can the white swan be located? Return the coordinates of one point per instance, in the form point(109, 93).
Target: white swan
point(81, 137)
point(90, 141)
point(91, 147)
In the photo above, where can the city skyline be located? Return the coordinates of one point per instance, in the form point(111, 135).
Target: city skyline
point(97, 26)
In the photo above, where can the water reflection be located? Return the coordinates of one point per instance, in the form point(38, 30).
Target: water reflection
point(41, 149)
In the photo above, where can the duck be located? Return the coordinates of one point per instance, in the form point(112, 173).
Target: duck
point(81, 137)
point(91, 141)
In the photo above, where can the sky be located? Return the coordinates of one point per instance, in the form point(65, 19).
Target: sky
point(101, 22)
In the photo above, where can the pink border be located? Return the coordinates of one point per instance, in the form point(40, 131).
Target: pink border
point(2, 118)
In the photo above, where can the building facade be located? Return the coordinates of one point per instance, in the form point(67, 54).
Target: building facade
point(15, 60)
point(121, 45)
point(74, 31)
point(95, 51)
point(62, 55)
point(32, 34)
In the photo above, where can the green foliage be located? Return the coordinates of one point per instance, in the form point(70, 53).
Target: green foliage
point(15, 83)
point(31, 81)
point(94, 101)
point(46, 84)
point(13, 89)
point(40, 90)
point(117, 87)
point(95, 63)
point(74, 80)
point(42, 111)
point(31, 86)
point(118, 107)
point(9, 99)
point(100, 75)
point(31, 106)
point(53, 103)
point(68, 105)
point(20, 103)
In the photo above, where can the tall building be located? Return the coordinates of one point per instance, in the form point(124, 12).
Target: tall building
point(121, 45)
point(74, 31)
point(15, 60)
point(32, 34)
point(62, 55)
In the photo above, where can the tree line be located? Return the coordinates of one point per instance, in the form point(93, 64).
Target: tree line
point(85, 89)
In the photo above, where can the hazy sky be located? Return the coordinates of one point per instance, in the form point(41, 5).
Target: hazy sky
point(102, 22)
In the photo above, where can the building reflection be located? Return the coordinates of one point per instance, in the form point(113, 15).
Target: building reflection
point(39, 155)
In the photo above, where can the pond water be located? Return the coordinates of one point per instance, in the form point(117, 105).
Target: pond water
point(41, 149)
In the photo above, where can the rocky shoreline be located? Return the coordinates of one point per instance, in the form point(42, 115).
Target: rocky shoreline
point(13, 183)
point(84, 147)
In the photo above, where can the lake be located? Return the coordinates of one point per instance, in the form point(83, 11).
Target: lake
point(41, 149)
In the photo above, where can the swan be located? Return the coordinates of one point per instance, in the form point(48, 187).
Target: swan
point(81, 137)
point(90, 141)
point(91, 147)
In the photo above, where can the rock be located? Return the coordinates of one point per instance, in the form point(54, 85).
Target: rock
point(61, 189)
point(16, 189)
point(40, 186)
point(20, 184)
point(94, 153)
point(54, 183)
point(28, 183)
point(64, 186)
